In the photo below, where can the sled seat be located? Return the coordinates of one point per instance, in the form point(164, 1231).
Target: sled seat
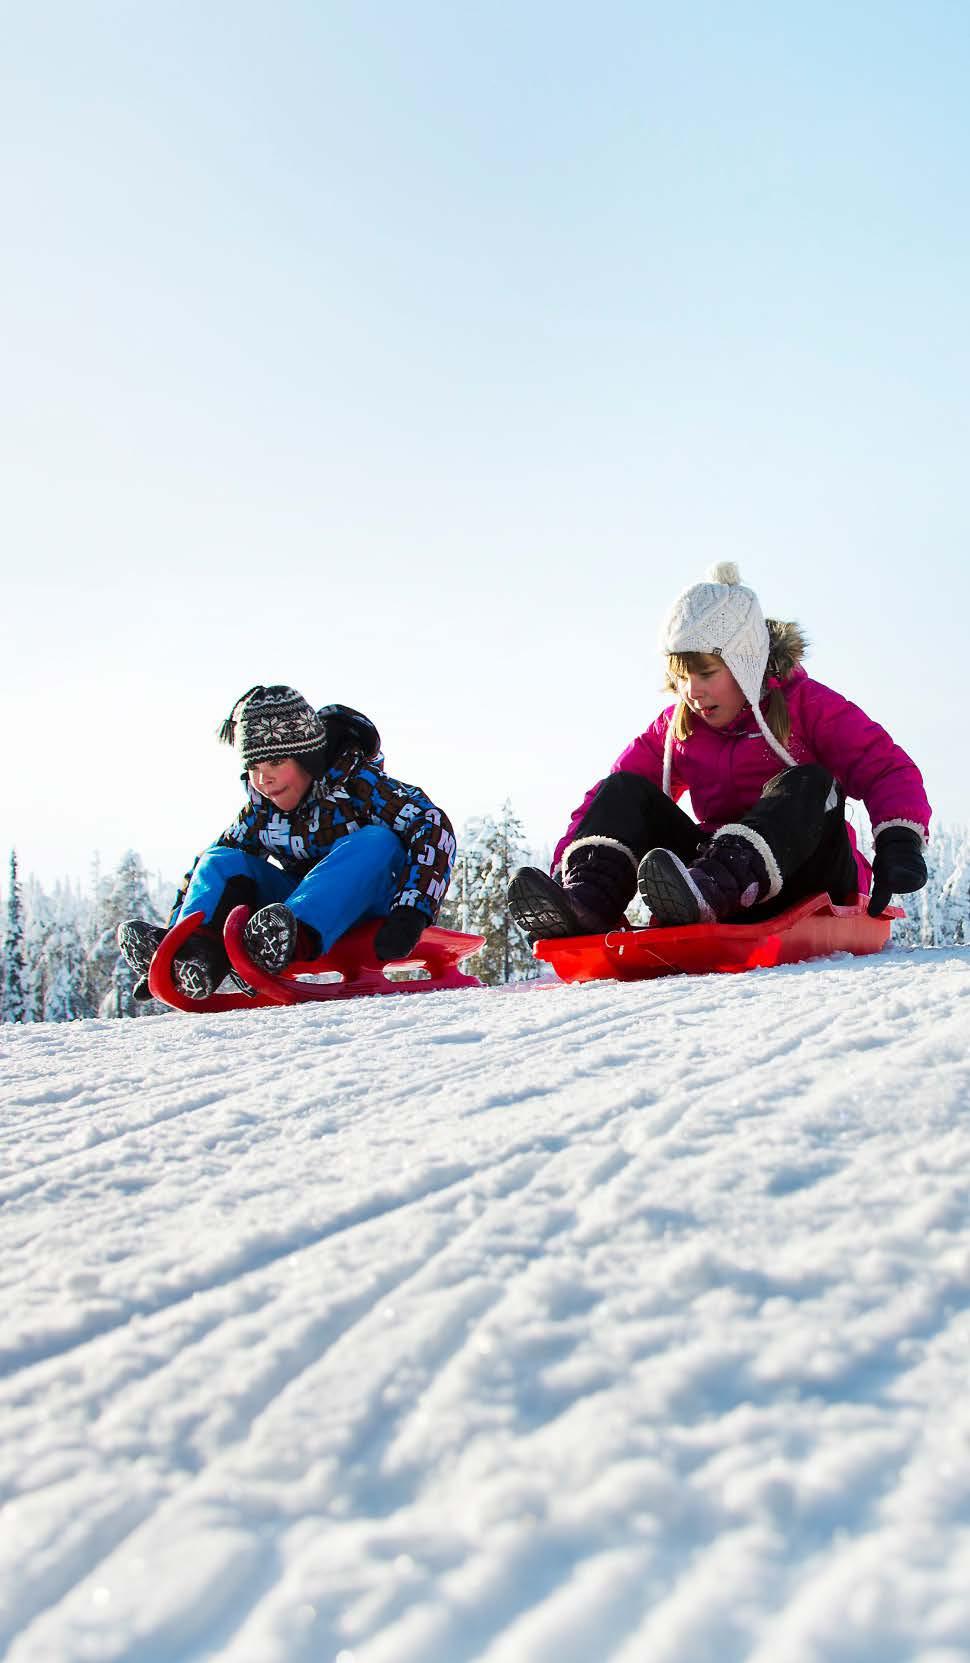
point(352, 958)
point(808, 930)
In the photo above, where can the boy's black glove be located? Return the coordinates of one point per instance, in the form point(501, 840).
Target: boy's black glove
point(398, 934)
point(898, 867)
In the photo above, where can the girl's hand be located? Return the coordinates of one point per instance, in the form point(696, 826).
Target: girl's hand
point(898, 867)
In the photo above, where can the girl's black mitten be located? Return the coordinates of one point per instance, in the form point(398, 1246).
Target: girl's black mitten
point(898, 866)
point(398, 935)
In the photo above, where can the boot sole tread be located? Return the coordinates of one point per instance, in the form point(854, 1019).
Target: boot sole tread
point(537, 912)
point(665, 890)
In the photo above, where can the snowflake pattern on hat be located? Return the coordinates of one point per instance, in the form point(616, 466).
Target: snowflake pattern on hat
point(277, 722)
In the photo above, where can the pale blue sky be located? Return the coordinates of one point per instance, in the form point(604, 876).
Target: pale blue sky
point(419, 355)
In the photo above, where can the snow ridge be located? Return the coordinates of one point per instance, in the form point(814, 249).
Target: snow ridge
point(588, 1324)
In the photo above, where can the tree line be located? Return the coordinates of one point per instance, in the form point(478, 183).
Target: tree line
point(60, 955)
point(61, 963)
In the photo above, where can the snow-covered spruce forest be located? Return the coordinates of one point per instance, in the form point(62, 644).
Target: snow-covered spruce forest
point(60, 959)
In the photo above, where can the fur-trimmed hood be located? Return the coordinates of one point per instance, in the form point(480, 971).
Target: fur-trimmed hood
point(787, 646)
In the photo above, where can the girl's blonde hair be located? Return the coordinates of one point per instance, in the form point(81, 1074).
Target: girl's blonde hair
point(681, 664)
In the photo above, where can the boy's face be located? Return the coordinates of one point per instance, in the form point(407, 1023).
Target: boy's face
point(711, 691)
point(285, 783)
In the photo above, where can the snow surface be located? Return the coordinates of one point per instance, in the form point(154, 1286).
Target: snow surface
point(603, 1324)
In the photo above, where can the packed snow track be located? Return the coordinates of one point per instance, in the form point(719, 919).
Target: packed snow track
point(598, 1324)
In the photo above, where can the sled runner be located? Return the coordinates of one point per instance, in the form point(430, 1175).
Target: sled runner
point(352, 957)
point(806, 931)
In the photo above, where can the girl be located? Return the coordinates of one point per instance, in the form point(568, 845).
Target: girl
point(314, 778)
point(766, 839)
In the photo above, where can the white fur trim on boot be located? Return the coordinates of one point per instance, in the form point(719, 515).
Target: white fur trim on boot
point(775, 879)
point(600, 842)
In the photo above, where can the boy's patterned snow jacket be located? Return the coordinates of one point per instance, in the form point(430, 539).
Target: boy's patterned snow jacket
point(354, 792)
point(725, 769)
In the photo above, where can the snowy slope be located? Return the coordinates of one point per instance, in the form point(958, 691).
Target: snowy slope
point(605, 1324)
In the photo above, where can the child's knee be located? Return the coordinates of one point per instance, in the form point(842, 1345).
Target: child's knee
point(227, 863)
point(371, 849)
point(379, 841)
point(808, 780)
point(629, 790)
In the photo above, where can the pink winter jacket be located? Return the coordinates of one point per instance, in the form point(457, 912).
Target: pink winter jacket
point(725, 769)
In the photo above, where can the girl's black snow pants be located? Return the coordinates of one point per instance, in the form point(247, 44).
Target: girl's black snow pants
point(800, 814)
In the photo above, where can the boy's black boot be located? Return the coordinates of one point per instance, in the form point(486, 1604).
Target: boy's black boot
point(732, 875)
point(200, 965)
point(197, 969)
point(598, 881)
point(273, 937)
point(137, 943)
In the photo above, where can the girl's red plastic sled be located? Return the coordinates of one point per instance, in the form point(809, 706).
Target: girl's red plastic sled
point(438, 951)
point(806, 931)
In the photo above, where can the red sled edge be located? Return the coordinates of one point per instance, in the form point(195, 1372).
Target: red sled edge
point(809, 930)
point(438, 951)
point(161, 985)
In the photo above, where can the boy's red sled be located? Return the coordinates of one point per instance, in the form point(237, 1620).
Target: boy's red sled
point(352, 957)
point(806, 931)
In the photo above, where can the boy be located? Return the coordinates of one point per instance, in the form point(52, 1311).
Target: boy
point(348, 841)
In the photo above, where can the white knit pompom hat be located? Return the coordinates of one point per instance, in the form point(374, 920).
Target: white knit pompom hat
point(722, 617)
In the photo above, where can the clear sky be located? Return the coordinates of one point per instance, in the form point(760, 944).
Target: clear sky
point(419, 355)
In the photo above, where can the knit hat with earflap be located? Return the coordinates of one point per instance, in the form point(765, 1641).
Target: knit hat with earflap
point(273, 723)
point(723, 619)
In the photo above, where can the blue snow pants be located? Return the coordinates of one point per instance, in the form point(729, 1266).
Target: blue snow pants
point(356, 879)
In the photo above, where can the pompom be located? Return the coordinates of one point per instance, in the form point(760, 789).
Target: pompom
point(724, 572)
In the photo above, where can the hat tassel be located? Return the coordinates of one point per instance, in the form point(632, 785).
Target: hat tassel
point(227, 733)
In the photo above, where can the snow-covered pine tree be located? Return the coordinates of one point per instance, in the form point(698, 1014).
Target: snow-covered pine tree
point(925, 925)
point(63, 1001)
point(14, 998)
point(124, 895)
point(953, 909)
point(38, 923)
point(489, 851)
point(66, 979)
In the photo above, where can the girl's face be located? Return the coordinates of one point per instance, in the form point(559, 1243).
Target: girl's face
point(711, 691)
point(285, 783)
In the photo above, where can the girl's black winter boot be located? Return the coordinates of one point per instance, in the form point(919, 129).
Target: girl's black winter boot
point(541, 908)
point(598, 880)
point(731, 876)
